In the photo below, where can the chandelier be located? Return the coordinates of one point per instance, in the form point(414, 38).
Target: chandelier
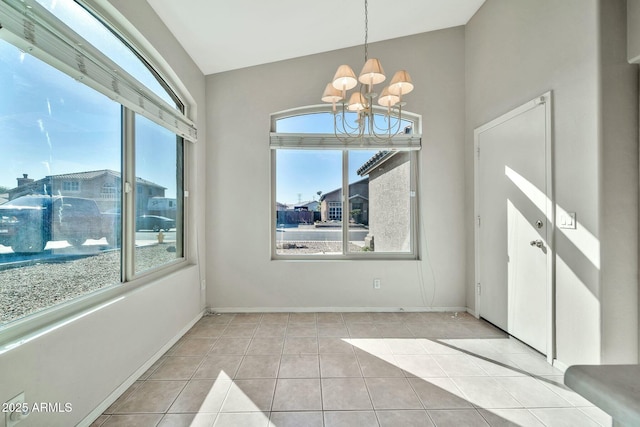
point(361, 101)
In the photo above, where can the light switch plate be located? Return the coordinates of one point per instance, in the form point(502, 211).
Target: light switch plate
point(567, 220)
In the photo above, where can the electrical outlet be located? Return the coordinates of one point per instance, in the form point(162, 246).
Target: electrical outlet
point(16, 410)
point(376, 283)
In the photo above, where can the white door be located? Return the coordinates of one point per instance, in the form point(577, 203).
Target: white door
point(513, 227)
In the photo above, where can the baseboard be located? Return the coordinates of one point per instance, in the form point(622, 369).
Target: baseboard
point(473, 313)
point(559, 365)
point(334, 309)
point(93, 415)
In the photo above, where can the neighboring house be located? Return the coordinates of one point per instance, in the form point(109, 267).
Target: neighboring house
point(103, 186)
point(331, 203)
point(281, 206)
point(389, 201)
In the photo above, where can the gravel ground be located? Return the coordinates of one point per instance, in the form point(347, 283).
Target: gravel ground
point(311, 248)
point(28, 289)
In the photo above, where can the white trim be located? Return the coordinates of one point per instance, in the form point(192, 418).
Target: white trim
point(546, 99)
point(328, 141)
point(132, 35)
point(336, 309)
point(109, 400)
point(416, 119)
point(314, 141)
point(559, 365)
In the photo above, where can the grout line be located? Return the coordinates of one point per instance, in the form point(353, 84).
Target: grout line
point(366, 328)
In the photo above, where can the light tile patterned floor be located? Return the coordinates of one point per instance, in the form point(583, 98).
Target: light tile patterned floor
point(349, 369)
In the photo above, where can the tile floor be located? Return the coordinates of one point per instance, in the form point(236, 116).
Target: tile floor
point(349, 369)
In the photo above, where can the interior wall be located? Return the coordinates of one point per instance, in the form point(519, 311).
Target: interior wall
point(84, 361)
point(633, 31)
point(516, 51)
point(241, 274)
point(619, 164)
point(633, 56)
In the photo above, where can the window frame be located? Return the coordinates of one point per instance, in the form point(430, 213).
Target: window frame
point(24, 329)
point(410, 143)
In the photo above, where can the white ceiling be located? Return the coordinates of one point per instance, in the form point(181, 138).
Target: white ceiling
point(222, 35)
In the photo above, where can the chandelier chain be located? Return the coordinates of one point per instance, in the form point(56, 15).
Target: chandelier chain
point(366, 30)
point(381, 126)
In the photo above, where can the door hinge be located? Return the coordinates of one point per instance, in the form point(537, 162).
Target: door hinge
point(479, 287)
point(478, 151)
point(478, 220)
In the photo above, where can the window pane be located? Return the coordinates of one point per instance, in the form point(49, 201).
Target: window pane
point(306, 123)
point(158, 195)
point(358, 201)
point(388, 205)
point(92, 30)
point(308, 196)
point(323, 122)
point(60, 145)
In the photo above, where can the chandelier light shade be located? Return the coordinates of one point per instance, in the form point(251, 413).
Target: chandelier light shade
point(372, 73)
point(400, 83)
point(357, 102)
point(361, 101)
point(388, 99)
point(331, 94)
point(345, 78)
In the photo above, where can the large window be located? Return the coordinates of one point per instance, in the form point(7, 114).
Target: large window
point(336, 199)
point(158, 202)
point(77, 213)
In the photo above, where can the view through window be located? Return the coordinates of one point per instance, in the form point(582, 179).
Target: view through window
point(343, 200)
point(158, 202)
point(61, 201)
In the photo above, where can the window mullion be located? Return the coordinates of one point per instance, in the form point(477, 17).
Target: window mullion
point(345, 201)
point(414, 204)
point(128, 195)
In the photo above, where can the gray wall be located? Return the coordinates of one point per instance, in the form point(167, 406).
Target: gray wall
point(84, 361)
point(633, 31)
point(619, 187)
point(516, 51)
point(240, 272)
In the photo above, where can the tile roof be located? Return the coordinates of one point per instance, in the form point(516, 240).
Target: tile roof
point(84, 176)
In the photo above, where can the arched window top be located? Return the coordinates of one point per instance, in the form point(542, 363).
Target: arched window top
point(319, 119)
point(313, 127)
point(103, 38)
point(69, 37)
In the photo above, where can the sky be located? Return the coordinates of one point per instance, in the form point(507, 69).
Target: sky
point(300, 174)
point(51, 124)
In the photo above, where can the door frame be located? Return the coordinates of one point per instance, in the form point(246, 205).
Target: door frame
point(546, 100)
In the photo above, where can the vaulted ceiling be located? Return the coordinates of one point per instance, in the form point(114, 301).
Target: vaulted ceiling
point(227, 35)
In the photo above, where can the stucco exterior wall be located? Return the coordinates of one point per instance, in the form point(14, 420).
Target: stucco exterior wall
point(390, 205)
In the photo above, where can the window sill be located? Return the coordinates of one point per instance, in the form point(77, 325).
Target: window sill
point(26, 329)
